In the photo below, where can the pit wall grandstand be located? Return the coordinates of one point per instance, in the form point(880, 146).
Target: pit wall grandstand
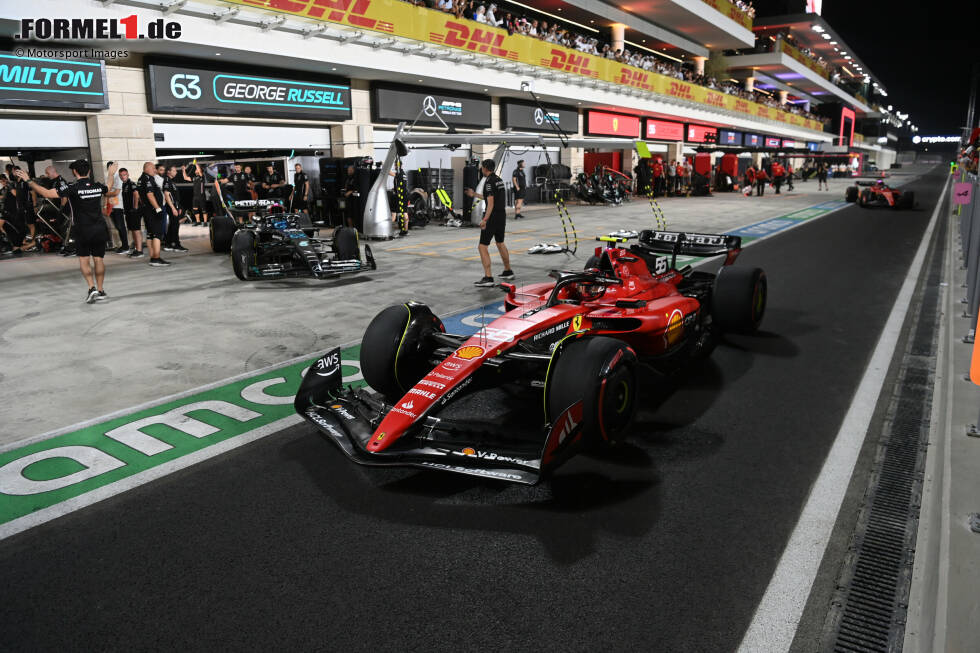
point(408, 21)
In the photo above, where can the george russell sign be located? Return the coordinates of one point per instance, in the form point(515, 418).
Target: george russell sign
point(179, 88)
point(58, 83)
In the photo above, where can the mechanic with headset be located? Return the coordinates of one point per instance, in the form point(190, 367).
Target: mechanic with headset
point(151, 198)
point(493, 224)
point(86, 198)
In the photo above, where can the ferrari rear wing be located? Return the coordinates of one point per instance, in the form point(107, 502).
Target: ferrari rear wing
point(689, 243)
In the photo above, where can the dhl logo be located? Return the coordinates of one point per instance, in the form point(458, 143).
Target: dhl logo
point(680, 90)
point(763, 111)
point(635, 78)
point(781, 116)
point(351, 12)
point(715, 100)
point(571, 63)
point(478, 40)
point(743, 106)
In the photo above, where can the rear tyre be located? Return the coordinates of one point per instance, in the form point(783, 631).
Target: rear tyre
point(851, 194)
point(345, 244)
point(244, 256)
point(305, 223)
point(739, 299)
point(908, 200)
point(395, 350)
point(601, 372)
point(222, 230)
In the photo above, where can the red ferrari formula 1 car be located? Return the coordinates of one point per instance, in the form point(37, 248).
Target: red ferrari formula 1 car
point(878, 193)
point(574, 343)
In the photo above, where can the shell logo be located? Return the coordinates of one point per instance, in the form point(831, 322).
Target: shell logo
point(469, 352)
point(615, 124)
point(675, 327)
point(469, 451)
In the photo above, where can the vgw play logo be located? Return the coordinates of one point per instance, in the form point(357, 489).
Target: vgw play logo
point(102, 29)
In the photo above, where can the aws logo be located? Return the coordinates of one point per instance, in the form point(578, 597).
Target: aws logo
point(572, 63)
point(476, 39)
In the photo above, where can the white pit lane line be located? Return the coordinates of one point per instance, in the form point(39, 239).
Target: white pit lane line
point(778, 614)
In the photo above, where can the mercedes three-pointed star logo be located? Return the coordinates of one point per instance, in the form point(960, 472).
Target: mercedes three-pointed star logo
point(429, 106)
point(538, 117)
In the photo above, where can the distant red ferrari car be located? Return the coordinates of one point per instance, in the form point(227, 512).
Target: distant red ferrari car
point(878, 193)
point(575, 340)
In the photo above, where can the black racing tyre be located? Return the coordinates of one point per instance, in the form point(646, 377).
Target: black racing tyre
point(738, 302)
point(243, 253)
point(394, 350)
point(601, 372)
point(907, 201)
point(305, 223)
point(345, 244)
point(864, 199)
point(851, 194)
point(222, 230)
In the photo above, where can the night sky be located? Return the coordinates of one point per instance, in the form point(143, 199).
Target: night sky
point(923, 52)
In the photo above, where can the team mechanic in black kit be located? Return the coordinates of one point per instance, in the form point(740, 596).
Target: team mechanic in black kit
point(86, 198)
point(494, 222)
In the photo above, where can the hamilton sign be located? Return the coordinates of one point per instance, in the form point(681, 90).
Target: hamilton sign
point(57, 83)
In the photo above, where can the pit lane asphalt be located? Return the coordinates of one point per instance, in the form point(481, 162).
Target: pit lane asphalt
point(666, 545)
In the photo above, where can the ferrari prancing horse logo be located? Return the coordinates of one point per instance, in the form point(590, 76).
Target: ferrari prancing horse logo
point(576, 323)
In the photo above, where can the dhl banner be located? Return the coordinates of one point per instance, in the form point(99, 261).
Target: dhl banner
point(729, 9)
point(418, 23)
point(803, 59)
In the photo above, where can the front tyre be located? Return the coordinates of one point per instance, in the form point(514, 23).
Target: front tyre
point(738, 302)
point(395, 349)
point(601, 372)
point(345, 244)
point(851, 194)
point(222, 229)
point(244, 256)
